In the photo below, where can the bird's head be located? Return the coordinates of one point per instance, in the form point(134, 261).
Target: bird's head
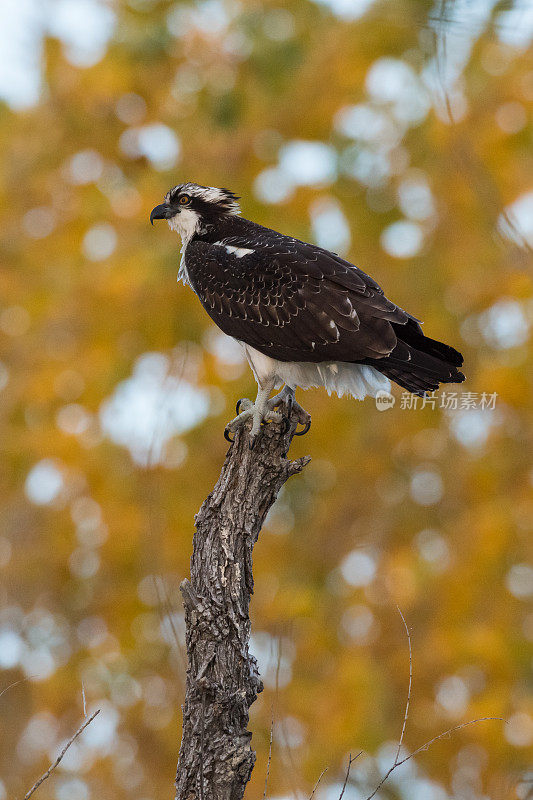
point(190, 208)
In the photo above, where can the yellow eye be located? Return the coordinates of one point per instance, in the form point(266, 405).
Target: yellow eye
point(184, 200)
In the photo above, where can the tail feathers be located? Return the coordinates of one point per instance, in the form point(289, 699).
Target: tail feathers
point(417, 379)
point(418, 363)
point(411, 334)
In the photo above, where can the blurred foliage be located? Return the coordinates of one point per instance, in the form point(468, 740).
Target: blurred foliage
point(115, 390)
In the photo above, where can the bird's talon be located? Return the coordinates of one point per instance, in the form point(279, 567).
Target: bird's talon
point(289, 414)
point(245, 404)
point(306, 427)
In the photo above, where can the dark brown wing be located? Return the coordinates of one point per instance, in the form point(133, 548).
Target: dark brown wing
point(291, 300)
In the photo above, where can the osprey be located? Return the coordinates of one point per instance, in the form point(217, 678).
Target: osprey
point(304, 316)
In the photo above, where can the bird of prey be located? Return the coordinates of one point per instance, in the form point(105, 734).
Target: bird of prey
point(304, 316)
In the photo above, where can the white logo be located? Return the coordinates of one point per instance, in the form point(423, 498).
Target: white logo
point(384, 400)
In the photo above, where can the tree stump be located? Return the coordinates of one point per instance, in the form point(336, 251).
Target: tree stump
point(216, 757)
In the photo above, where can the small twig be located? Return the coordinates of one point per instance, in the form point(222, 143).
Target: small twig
point(15, 683)
point(385, 779)
point(84, 702)
point(447, 733)
point(164, 600)
point(397, 761)
point(287, 752)
point(278, 665)
point(406, 715)
point(315, 787)
point(350, 762)
point(269, 750)
point(520, 239)
point(425, 747)
point(52, 767)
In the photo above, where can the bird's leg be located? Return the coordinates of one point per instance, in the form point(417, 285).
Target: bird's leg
point(285, 400)
point(258, 412)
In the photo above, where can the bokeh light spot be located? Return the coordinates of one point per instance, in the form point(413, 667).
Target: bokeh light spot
point(358, 568)
point(44, 483)
point(99, 242)
point(402, 239)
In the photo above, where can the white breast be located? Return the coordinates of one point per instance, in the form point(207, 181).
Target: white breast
point(186, 223)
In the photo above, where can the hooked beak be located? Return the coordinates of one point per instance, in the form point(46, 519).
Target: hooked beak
point(159, 212)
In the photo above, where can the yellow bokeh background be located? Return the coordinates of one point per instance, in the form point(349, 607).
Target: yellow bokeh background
point(398, 133)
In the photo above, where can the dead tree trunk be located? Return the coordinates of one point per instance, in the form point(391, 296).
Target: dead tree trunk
point(216, 758)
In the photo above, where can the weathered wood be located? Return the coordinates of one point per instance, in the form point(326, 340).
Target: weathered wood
point(216, 758)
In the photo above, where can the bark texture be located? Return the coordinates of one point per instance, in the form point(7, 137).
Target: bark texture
point(216, 758)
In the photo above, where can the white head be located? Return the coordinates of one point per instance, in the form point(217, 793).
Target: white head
point(190, 208)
